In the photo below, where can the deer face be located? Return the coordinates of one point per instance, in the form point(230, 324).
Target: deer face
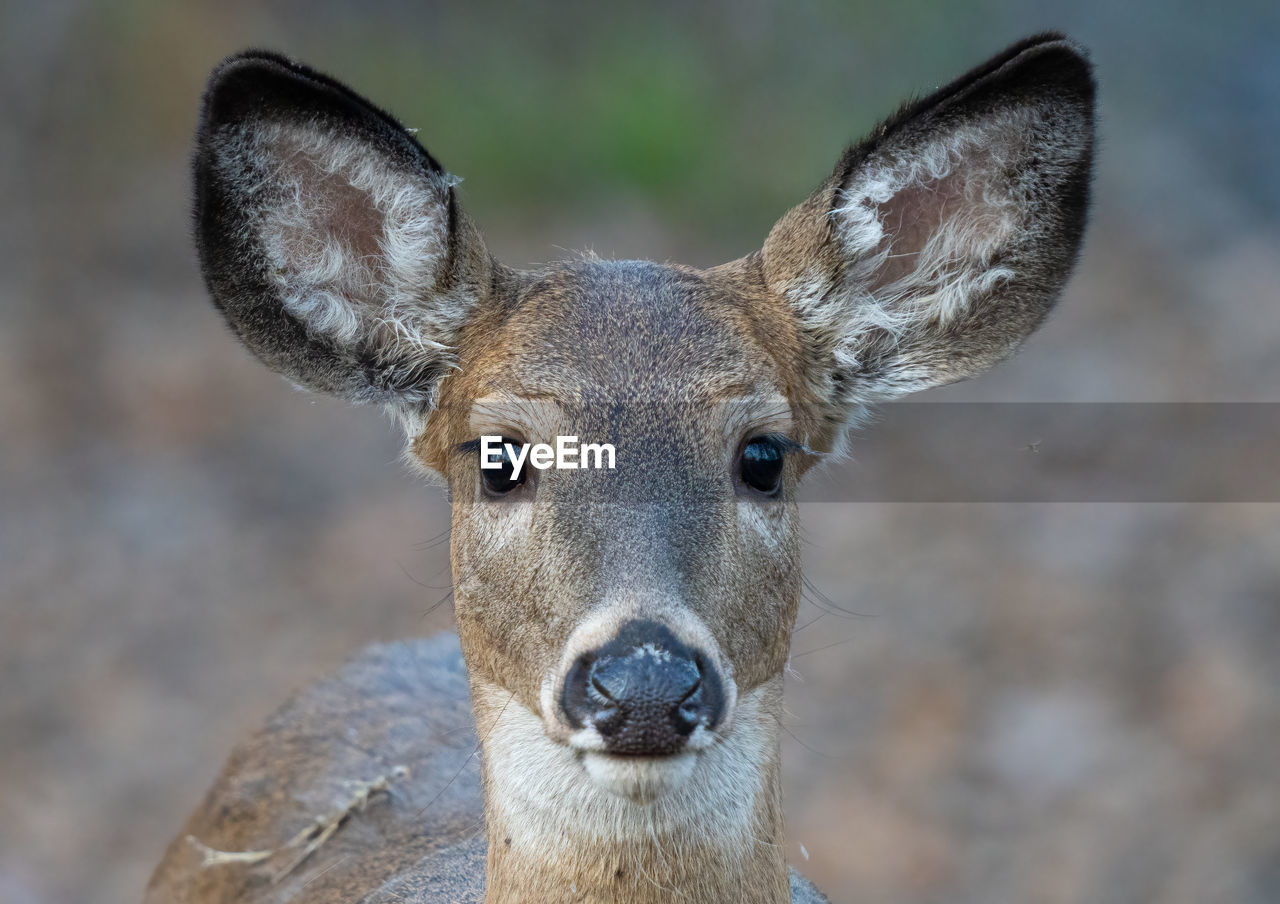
point(627, 628)
point(629, 607)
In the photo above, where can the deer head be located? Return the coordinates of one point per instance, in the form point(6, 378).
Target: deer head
point(626, 629)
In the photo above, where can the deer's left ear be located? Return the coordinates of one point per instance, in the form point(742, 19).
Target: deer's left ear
point(942, 241)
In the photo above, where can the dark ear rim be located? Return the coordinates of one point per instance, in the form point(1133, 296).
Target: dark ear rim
point(258, 83)
point(1049, 73)
point(1048, 64)
point(1044, 82)
point(264, 86)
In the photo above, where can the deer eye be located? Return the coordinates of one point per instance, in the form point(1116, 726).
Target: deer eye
point(501, 480)
point(760, 464)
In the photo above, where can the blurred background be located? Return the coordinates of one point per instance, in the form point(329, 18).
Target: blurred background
point(1035, 703)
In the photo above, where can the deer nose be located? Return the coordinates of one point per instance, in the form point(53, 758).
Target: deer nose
point(644, 692)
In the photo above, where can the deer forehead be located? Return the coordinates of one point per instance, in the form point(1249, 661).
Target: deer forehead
point(609, 332)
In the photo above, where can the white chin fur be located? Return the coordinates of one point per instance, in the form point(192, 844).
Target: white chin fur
point(555, 798)
point(639, 779)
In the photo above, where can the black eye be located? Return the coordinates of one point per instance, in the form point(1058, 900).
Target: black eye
point(502, 479)
point(760, 464)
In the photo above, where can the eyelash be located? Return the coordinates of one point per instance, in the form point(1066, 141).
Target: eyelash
point(786, 443)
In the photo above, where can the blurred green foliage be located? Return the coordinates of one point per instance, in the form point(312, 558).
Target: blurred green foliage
point(710, 119)
point(706, 120)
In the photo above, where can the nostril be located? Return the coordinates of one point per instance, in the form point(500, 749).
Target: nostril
point(599, 691)
point(704, 703)
point(693, 689)
point(580, 699)
point(689, 711)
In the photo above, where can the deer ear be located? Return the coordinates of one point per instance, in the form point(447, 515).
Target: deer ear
point(942, 240)
point(329, 239)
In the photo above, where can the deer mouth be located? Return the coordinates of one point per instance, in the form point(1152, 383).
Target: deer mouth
point(639, 779)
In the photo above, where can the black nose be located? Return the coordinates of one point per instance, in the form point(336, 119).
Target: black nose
point(644, 691)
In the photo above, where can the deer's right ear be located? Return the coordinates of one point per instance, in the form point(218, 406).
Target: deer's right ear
point(330, 240)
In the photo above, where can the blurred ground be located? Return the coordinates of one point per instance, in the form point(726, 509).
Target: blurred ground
point(1037, 703)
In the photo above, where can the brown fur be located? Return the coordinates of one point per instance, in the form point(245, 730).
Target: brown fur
point(935, 247)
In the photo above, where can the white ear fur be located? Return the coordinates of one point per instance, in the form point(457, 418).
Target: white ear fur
point(943, 240)
point(353, 243)
point(920, 233)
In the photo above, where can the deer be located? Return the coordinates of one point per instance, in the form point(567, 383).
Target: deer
point(622, 633)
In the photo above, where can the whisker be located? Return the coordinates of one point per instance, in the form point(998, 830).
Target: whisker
point(815, 751)
point(810, 622)
point(420, 583)
point(433, 542)
point(812, 588)
point(838, 643)
point(468, 760)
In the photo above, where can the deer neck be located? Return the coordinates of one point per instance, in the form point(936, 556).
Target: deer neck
point(554, 835)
